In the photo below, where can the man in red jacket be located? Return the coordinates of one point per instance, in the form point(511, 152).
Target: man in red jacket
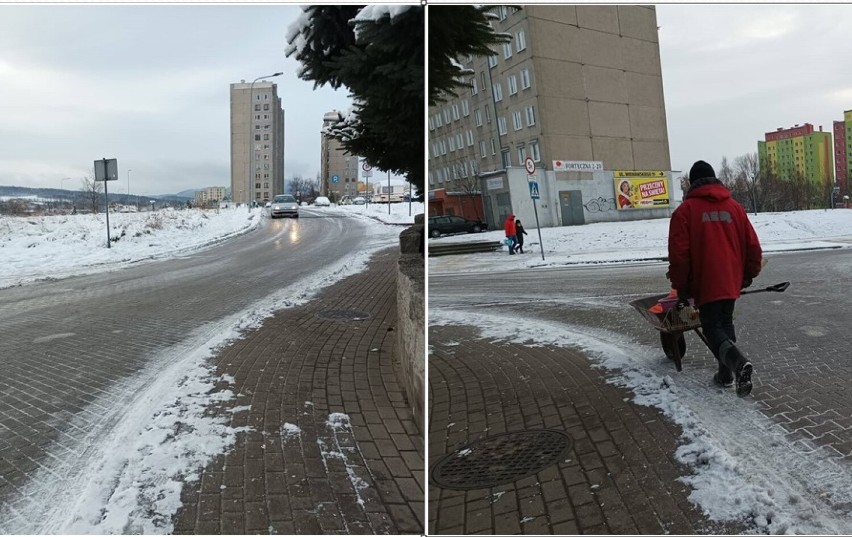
point(713, 254)
point(509, 228)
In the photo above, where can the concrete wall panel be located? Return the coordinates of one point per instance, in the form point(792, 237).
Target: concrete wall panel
point(616, 153)
point(601, 18)
point(605, 84)
point(609, 119)
point(638, 21)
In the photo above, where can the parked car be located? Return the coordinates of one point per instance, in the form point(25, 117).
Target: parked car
point(322, 201)
point(284, 205)
point(447, 224)
point(358, 201)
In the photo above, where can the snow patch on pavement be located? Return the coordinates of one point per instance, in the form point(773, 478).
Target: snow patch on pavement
point(744, 468)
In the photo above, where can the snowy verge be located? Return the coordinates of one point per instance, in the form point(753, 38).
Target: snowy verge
point(48, 247)
point(744, 468)
point(127, 473)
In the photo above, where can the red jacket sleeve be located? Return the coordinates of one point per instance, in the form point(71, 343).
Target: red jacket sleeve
point(679, 262)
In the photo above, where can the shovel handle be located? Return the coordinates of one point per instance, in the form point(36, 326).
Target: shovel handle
point(777, 288)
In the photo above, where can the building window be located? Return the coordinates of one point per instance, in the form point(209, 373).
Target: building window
point(455, 112)
point(493, 147)
point(501, 125)
point(507, 158)
point(502, 12)
point(459, 140)
point(498, 92)
point(266, 127)
point(525, 78)
point(452, 144)
point(257, 127)
point(530, 116)
point(265, 185)
point(265, 137)
point(257, 108)
point(492, 61)
point(257, 185)
point(513, 85)
point(469, 137)
point(266, 117)
point(535, 153)
point(487, 114)
point(520, 41)
point(477, 116)
point(522, 153)
point(447, 116)
point(482, 149)
point(266, 106)
point(438, 120)
point(507, 50)
point(516, 120)
point(473, 89)
point(465, 108)
point(257, 137)
point(482, 77)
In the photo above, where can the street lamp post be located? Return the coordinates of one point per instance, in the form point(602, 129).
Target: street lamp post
point(251, 138)
point(128, 186)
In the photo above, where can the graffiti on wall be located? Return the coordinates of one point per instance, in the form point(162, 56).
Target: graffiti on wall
point(600, 205)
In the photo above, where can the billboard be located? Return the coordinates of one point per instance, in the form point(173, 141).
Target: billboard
point(641, 190)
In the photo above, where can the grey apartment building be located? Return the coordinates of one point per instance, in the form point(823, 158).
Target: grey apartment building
point(339, 168)
point(257, 142)
point(578, 83)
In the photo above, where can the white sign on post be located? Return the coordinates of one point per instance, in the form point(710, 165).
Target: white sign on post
point(577, 166)
point(106, 170)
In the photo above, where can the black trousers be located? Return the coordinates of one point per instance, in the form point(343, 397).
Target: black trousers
point(717, 323)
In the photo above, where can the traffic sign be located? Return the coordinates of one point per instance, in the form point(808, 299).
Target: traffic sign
point(366, 167)
point(529, 164)
point(335, 178)
point(534, 190)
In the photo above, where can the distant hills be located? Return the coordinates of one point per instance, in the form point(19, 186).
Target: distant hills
point(57, 193)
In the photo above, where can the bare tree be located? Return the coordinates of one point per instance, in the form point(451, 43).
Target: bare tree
point(726, 173)
point(92, 190)
point(469, 187)
point(747, 171)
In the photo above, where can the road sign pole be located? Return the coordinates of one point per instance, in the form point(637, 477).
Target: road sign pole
point(538, 228)
point(106, 201)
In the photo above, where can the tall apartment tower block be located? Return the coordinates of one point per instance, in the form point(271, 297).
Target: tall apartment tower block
point(577, 83)
point(339, 168)
point(843, 151)
point(799, 150)
point(257, 142)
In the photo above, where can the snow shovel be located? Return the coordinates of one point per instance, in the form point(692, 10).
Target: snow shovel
point(777, 288)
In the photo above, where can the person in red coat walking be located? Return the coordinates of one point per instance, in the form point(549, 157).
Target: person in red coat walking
point(509, 228)
point(714, 252)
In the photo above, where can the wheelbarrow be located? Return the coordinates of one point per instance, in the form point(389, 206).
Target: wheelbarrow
point(673, 322)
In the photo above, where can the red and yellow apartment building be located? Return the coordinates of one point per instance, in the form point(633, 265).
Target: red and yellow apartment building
point(843, 151)
point(799, 150)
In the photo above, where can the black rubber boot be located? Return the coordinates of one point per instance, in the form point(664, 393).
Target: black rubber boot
point(731, 357)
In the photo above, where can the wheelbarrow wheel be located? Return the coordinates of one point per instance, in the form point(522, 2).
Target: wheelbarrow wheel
point(674, 345)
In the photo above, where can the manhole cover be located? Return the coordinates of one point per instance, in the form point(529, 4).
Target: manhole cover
point(500, 459)
point(343, 315)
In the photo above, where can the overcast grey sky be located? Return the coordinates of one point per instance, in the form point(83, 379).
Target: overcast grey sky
point(148, 85)
point(734, 72)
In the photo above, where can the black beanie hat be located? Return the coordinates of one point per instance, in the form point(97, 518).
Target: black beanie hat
point(700, 170)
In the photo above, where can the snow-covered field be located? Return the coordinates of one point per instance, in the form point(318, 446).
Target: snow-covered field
point(157, 433)
point(612, 242)
point(34, 248)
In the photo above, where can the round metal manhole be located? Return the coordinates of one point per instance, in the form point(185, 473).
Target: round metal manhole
point(501, 459)
point(343, 315)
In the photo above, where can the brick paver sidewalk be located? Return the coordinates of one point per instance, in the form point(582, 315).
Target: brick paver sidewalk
point(333, 447)
point(620, 477)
